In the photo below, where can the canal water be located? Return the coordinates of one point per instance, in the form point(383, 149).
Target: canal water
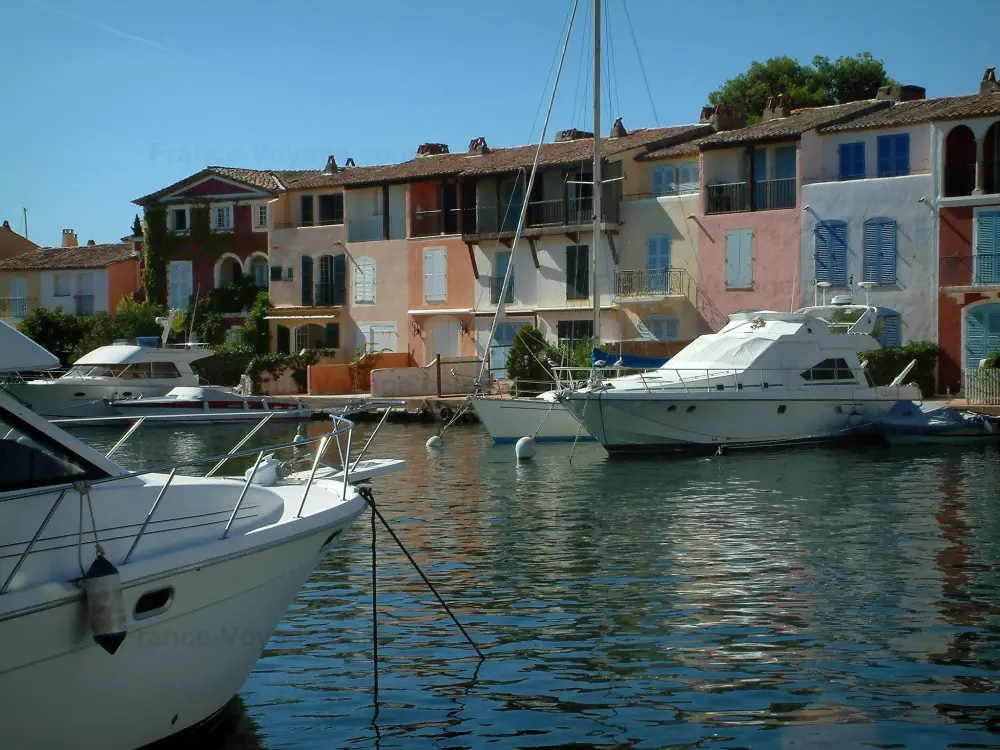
point(822, 598)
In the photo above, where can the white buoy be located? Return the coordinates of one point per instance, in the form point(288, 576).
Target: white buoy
point(102, 586)
point(525, 448)
point(434, 441)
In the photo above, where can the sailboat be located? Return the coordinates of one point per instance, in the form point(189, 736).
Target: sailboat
point(543, 417)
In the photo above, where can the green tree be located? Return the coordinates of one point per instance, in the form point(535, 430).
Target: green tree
point(845, 80)
point(526, 362)
point(137, 227)
point(54, 330)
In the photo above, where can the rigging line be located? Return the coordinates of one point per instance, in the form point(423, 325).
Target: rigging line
point(614, 65)
point(606, 65)
point(548, 76)
point(579, 71)
point(524, 205)
point(635, 43)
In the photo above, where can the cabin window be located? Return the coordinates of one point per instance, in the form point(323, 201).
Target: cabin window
point(32, 459)
point(835, 370)
point(164, 370)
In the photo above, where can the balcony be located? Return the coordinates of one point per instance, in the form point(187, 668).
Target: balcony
point(83, 304)
point(649, 284)
point(323, 295)
point(964, 274)
point(773, 194)
point(542, 217)
point(17, 307)
point(544, 213)
point(373, 229)
point(726, 198)
point(496, 286)
point(435, 222)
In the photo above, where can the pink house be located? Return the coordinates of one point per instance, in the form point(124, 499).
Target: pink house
point(751, 215)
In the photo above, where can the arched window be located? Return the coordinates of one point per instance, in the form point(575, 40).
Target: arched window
point(364, 281)
point(959, 162)
point(659, 327)
point(880, 251)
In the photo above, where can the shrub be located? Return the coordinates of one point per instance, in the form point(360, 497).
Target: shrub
point(525, 363)
point(992, 361)
point(54, 330)
point(885, 364)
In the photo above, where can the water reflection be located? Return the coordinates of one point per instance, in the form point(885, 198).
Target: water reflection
point(832, 598)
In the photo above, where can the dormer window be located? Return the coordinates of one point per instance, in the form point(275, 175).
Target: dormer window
point(829, 371)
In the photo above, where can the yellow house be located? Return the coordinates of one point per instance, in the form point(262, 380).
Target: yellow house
point(11, 243)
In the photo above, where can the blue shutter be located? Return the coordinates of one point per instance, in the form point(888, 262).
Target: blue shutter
point(870, 262)
point(891, 335)
point(987, 247)
point(901, 155)
point(884, 155)
point(784, 162)
point(822, 253)
point(746, 259)
point(858, 169)
point(975, 337)
point(838, 253)
point(886, 251)
point(664, 181)
point(992, 329)
point(846, 160)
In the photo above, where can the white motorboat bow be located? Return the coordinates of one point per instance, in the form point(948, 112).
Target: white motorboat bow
point(206, 566)
point(767, 378)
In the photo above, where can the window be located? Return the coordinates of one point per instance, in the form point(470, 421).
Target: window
point(282, 339)
point(168, 369)
point(302, 338)
point(379, 337)
point(259, 272)
point(664, 181)
point(852, 161)
point(658, 252)
point(180, 284)
point(289, 273)
point(784, 163)
point(331, 337)
point(572, 333)
point(306, 210)
point(829, 369)
point(739, 259)
point(880, 251)
point(987, 258)
point(435, 274)
point(891, 335)
point(331, 209)
point(260, 216)
point(307, 281)
point(222, 218)
point(662, 327)
point(689, 178)
point(364, 281)
point(178, 220)
point(32, 459)
point(577, 271)
point(894, 155)
point(63, 285)
point(276, 273)
point(831, 252)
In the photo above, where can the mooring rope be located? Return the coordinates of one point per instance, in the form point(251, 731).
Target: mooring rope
point(83, 489)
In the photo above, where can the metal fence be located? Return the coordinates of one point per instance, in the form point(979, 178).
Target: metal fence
point(982, 386)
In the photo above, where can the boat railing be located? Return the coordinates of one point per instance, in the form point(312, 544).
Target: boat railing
point(341, 427)
point(578, 377)
point(720, 379)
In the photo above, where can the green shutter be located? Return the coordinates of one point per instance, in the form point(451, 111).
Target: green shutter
point(333, 335)
point(284, 340)
point(339, 279)
point(307, 281)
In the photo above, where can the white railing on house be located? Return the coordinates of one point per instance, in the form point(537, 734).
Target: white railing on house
point(982, 386)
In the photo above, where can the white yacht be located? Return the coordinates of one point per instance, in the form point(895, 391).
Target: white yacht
point(767, 378)
point(207, 567)
point(508, 419)
point(141, 369)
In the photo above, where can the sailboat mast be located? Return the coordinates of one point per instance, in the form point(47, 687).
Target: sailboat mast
point(597, 174)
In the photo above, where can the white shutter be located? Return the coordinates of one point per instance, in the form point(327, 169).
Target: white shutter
point(435, 274)
point(442, 274)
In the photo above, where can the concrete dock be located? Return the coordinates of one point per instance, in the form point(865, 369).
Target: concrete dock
point(424, 409)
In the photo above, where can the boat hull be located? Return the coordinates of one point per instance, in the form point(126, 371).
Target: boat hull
point(509, 419)
point(58, 399)
point(631, 422)
point(210, 415)
point(173, 671)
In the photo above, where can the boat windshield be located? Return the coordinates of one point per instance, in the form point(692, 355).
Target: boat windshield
point(134, 371)
point(30, 458)
point(94, 371)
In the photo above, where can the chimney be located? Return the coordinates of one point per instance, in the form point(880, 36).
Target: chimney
point(724, 117)
point(901, 93)
point(572, 135)
point(478, 146)
point(706, 115)
point(618, 130)
point(6, 224)
point(90, 243)
point(349, 163)
point(989, 83)
point(331, 165)
point(432, 149)
point(777, 107)
point(69, 238)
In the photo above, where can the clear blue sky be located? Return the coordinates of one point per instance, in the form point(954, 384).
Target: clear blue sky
point(103, 102)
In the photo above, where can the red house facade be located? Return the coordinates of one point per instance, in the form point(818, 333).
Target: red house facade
point(216, 229)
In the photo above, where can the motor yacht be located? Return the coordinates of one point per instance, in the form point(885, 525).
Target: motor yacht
point(212, 402)
point(205, 566)
point(766, 378)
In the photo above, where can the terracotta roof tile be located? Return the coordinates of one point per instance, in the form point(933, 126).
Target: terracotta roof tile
point(686, 148)
point(83, 256)
point(923, 110)
point(258, 178)
point(793, 126)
